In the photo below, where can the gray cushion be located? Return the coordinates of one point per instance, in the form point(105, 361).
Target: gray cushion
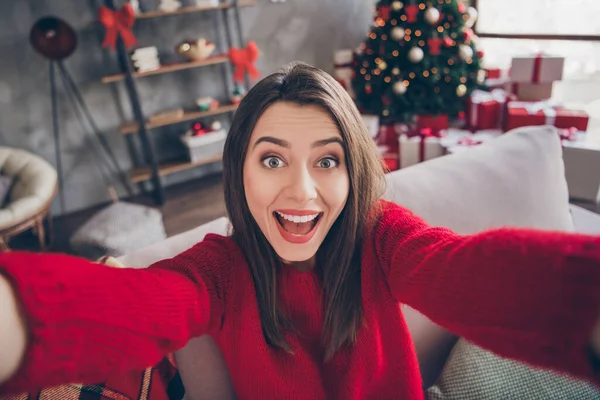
point(118, 229)
point(473, 373)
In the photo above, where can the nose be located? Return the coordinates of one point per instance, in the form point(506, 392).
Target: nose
point(302, 186)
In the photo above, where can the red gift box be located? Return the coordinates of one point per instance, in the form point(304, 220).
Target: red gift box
point(493, 73)
point(543, 113)
point(436, 123)
point(485, 109)
point(389, 158)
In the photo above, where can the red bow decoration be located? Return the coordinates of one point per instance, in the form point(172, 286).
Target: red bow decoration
point(434, 44)
point(117, 23)
point(384, 12)
point(244, 60)
point(411, 12)
point(569, 134)
point(469, 141)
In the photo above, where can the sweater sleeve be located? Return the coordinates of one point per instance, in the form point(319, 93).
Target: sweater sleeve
point(525, 294)
point(86, 321)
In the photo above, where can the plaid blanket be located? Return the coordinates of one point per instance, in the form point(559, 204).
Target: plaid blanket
point(161, 382)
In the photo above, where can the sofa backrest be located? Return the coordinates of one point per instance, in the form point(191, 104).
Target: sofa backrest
point(515, 180)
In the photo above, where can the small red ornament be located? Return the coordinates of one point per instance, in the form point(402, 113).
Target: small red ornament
point(461, 115)
point(461, 7)
point(384, 12)
point(448, 42)
point(434, 45)
point(480, 54)
point(411, 13)
point(368, 89)
point(468, 33)
point(198, 130)
point(386, 101)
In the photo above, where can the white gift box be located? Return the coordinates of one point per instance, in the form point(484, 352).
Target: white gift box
point(343, 57)
point(414, 150)
point(205, 146)
point(582, 168)
point(372, 123)
point(537, 69)
point(344, 77)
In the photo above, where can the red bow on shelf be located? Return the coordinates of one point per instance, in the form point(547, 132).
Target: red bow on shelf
point(243, 60)
point(116, 23)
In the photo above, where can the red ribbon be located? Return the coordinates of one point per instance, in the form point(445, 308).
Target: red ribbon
point(425, 133)
point(243, 60)
point(117, 23)
point(469, 141)
point(537, 68)
point(569, 134)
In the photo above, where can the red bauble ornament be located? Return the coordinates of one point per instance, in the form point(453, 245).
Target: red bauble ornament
point(448, 42)
point(468, 33)
point(461, 8)
point(411, 13)
point(480, 54)
point(384, 12)
point(434, 45)
point(368, 89)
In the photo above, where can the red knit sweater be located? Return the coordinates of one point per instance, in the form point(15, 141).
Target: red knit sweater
point(525, 294)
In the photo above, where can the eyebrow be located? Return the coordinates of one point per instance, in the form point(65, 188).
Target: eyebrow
point(286, 144)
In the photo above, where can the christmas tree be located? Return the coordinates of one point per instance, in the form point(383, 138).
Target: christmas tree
point(419, 58)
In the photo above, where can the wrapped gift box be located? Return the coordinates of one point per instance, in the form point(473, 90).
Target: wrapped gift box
point(539, 68)
point(485, 110)
point(343, 58)
point(542, 113)
point(389, 158)
point(532, 91)
point(436, 123)
point(372, 123)
point(419, 147)
point(343, 70)
point(582, 163)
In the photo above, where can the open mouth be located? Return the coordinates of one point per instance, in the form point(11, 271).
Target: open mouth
point(297, 225)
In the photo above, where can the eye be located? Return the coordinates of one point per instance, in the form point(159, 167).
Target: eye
point(327, 163)
point(272, 162)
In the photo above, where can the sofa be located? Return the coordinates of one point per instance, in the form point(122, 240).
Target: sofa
point(516, 180)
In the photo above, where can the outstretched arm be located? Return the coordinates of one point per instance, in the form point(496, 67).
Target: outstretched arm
point(84, 321)
point(524, 294)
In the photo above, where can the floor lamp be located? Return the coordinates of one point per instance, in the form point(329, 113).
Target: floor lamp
point(55, 40)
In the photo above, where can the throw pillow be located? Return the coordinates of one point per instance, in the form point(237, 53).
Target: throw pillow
point(474, 373)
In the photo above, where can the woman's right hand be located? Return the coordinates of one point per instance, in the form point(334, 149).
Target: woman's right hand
point(13, 336)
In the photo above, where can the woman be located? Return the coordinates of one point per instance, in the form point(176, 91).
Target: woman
point(303, 298)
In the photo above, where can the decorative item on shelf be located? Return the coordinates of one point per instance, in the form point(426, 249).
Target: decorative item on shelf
point(205, 144)
point(238, 94)
point(207, 103)
point(118, 23)
point(243, 60)
point(521, 113)
point(145, 59)
point(169, 5)
point(174, 114)
point(205, 3)
point(196, 50)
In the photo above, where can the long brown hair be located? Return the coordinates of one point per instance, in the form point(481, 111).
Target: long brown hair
point(339, 257)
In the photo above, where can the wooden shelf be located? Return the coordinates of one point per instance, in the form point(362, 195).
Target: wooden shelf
point(220, 59)
point(189, 10)
point(133, 127)
point(142, 174)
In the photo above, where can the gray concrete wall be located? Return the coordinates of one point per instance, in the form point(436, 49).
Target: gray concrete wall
point(306, 30)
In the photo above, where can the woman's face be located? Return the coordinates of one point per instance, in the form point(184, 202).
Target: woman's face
point(295, 178)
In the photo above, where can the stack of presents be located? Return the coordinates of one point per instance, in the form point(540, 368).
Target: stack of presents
point(518, 97)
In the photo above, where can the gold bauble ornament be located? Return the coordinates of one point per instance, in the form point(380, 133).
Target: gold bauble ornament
point(461, 90)
point(397, 33)
point(397, 5)
point(382, 65)
point(399, 88)
point(396, 71)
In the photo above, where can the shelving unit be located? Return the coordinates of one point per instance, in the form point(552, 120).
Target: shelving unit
point(149, 170)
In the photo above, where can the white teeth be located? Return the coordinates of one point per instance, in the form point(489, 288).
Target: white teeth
point(297, 218)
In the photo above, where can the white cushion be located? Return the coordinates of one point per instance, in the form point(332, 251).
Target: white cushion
point(34, 185)
point(515, 180)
